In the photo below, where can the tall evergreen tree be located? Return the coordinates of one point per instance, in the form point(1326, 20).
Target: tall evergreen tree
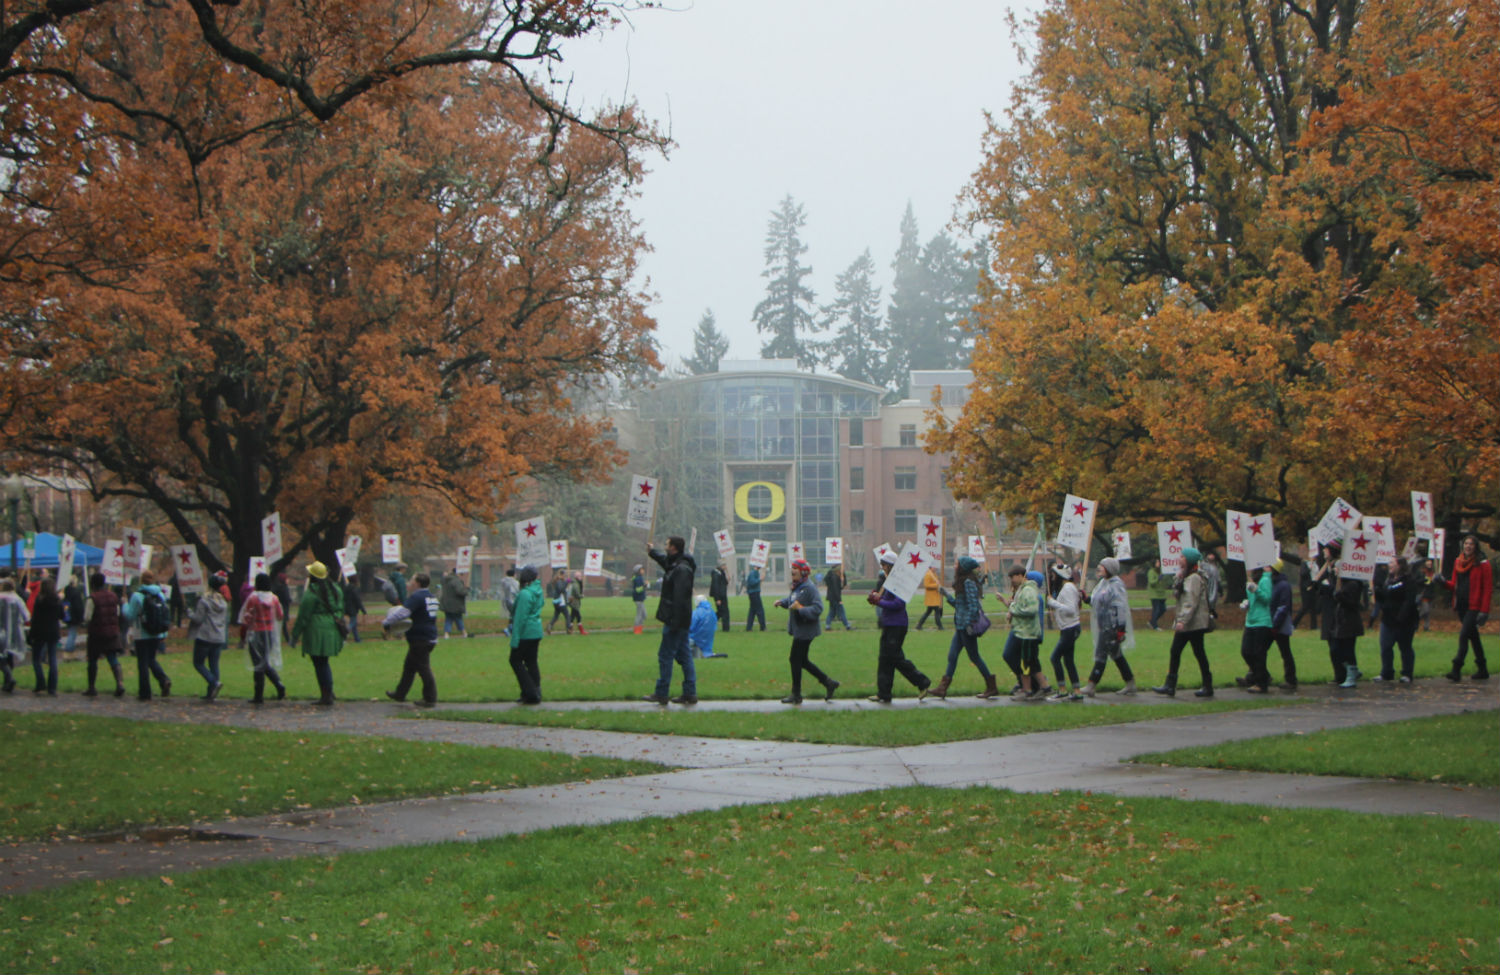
point(709, 346)
point(786, 313)
point(859, 346)
point(903, 318)
point(948, 285)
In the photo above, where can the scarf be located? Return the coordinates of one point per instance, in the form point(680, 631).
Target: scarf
point(1463, 564)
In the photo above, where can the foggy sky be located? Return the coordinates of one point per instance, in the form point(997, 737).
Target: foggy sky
point(854, 107)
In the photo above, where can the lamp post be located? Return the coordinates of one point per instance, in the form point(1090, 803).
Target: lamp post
point(14, 490)
point(473, 556)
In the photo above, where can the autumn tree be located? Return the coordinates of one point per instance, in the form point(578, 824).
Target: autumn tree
point(402, 299)
point(709, 345)
point(786, 312)
point(859, 345)
point(1176, 256)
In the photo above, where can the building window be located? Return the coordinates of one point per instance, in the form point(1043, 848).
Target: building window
point(906, 521)
point(857, 432)
point(908, 434)
point(906, 479)
point(856, 521)
point(856, 478)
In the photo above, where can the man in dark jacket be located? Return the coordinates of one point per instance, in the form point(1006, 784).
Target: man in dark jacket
point(718, 591)
point(675, 613)
point(420, 641)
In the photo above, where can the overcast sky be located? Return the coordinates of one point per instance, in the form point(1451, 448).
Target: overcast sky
point(854, 107)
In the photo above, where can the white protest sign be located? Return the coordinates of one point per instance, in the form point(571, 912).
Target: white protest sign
point(114, 562)
point(28, 546)
point(257, 566)
point(640, 510)
point(270, 536)
point(1077, 524)
point(132, 554)
point(558, 552)
point(1357, 560)
point(189, 571)
point(1259, 536)
point(1171, 538)
point(760, 551)
point(593, 561)
point(1421, 514)
point(976, 547)
point(882, 552)
point(930, 538)
point(1122, 545)
point(725, 542)
point(67, 547)
point(833, 551)
point(1385, 534)
point(463, 562)
point(1340, 517)
point(794, 551)
point(352, 545)
point(1409, 550)
point(146, 553)
point(907, 575)
point(531, 542)
point(1436, 546)
point(390, 549)
point(345, 561)
point(1234, 531)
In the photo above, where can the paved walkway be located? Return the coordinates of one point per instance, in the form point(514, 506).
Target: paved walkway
point(717, 773)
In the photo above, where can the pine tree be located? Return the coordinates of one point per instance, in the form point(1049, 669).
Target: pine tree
point(903, 318)
point(860, 346)
point(709, 346)
point(786, 313)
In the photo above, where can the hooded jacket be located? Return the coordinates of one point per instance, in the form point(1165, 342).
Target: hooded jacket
point(675, 609)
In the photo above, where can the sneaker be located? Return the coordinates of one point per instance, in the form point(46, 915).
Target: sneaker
point(213, 692)
point(877, 699)
point(1405, 679)
point(1087, 691)
point(1059, 695)
point(1381, 679)
point(1075, 695)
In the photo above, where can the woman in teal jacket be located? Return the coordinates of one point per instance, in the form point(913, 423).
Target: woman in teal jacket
point(526, 636)
point(1256, 640)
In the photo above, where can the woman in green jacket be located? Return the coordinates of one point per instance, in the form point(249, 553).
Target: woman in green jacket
point(318, 628)
point(1256, 639)
point(526, 636)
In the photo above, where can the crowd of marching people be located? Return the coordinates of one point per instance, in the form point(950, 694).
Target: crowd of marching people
point(38, 619)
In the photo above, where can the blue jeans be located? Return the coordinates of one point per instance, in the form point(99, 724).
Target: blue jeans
point(453, 621)
point(72, 639)
point(963, 640)
point(45, 651)
point(1158, 610)
point(206, 660)
point(1394, 636)
point(354, 627)
point(757, 612)
point(674, 648)
point(836, 612)
point(1062, 655)
point(146, 667)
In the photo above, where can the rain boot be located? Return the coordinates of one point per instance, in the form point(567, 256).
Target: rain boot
point(1169, 688)
point(991, 690)
point(939, 690)
point(114, 668)
point(93, 670)
point(260, 689)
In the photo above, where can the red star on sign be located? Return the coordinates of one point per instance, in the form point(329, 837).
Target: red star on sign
point(645, 488)
point(1360, 541)
point(187, 557)
point(1379, 528)
point(130, 539)
point(1174, 534)
point(722, 536)
point(1255, 527)
point(932, 527)
point(761, 547)
point(557, 545)
point(1080, 509)
point(834, 543)
point(1344, 514)
point(119, 551)
point(1236, 522)
point(530, 528)
point(1422, 503)
point(915, 558)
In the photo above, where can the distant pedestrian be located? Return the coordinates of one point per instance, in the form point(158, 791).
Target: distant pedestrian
point(421, 639)
point(1064, 602)
point(1281, 623)
point(147, 612)
point(833, 580)
point(1341, 604)
point(261, 616)
point(103, 632)
point(1023, 645)
point(638, 596)
point(893, 627)
point(509, 590)
point(1158, 587)
point(803, 623)
point(1113, 630)
point(1397, 594)
point(453, 599)
point(1472, 584)
point(757, 609)
point(526, 634)
point(1189, 624)
point(14, 618)
point(718, 593)
point(46, 633)
point(675, 612)
point(932, 599)
point(73, 603)
point(967, 600)
point(209, 623)
point(354, 605)
point(575, 603)
point(318, 627)
point(1255, 638)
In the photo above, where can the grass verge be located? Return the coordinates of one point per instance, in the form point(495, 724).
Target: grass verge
point(1458, 749)
point(71, 775)
point(912, 880)
point(904, 726)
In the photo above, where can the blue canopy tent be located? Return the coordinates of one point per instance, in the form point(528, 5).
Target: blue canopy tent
point(46, 552)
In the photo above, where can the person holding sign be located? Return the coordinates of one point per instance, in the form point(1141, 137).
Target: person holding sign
point(804, 623)
point(893, 624)
point(526, 635)
point(675, 613)
point(1397, 593)
point(1112, 629)
point(1189, 625)
point(834, 580)
point(718, 593)
point(1472, 585)
point(101, 618)
point(1343, 617)
point(967, 600)
point(757, 608)
point(1255, 639)
point(1064, 603)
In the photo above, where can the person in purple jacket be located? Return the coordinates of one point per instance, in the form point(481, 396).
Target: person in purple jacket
point(893, 623)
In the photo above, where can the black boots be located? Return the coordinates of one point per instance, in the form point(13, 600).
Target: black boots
point(1169, 687)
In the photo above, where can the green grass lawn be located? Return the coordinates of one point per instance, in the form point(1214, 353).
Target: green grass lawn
point(611, 663)
point(909, 880)
point(1459, 749)
point(70, 775)
point(888, 729)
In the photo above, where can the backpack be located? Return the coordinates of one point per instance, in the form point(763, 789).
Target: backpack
point(154, 615)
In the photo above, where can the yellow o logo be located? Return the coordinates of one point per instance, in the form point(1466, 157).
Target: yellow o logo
point(742, 502)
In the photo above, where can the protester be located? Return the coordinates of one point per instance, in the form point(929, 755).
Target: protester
point(1023, 645)
point(1213, 579)
point(1397, 594)
point(1255, 638)
point(14, 618)
point(1342, 620)
point(638, 596)
point(1064, 603)
point(718, 593)
point(1188, 626)
point(421, 639)
point(1281, 623)
point(1472, 584)
point(703, 628)
point(318, 629)
point(354, 605)
point(893, 623)
point(1308, 583)
point(833, 580)
point(73, 600)
point(283, 594)
point(675, 612)
point(453, 599)
point(932, 599)
point(1158, 586)
point(557, 591)
point(147, 612)
point(967, 600)
point(261, 616)
point(509, 590)
point(803, 623)
point(398, 582)
point(46, 633)
point(209, 624)
point(526, 634)
point(1114, 632)
point(757, 608)
point(101, 619)
point(575, 603)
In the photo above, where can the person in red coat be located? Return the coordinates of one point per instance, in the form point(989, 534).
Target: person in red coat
point(1472, 584)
